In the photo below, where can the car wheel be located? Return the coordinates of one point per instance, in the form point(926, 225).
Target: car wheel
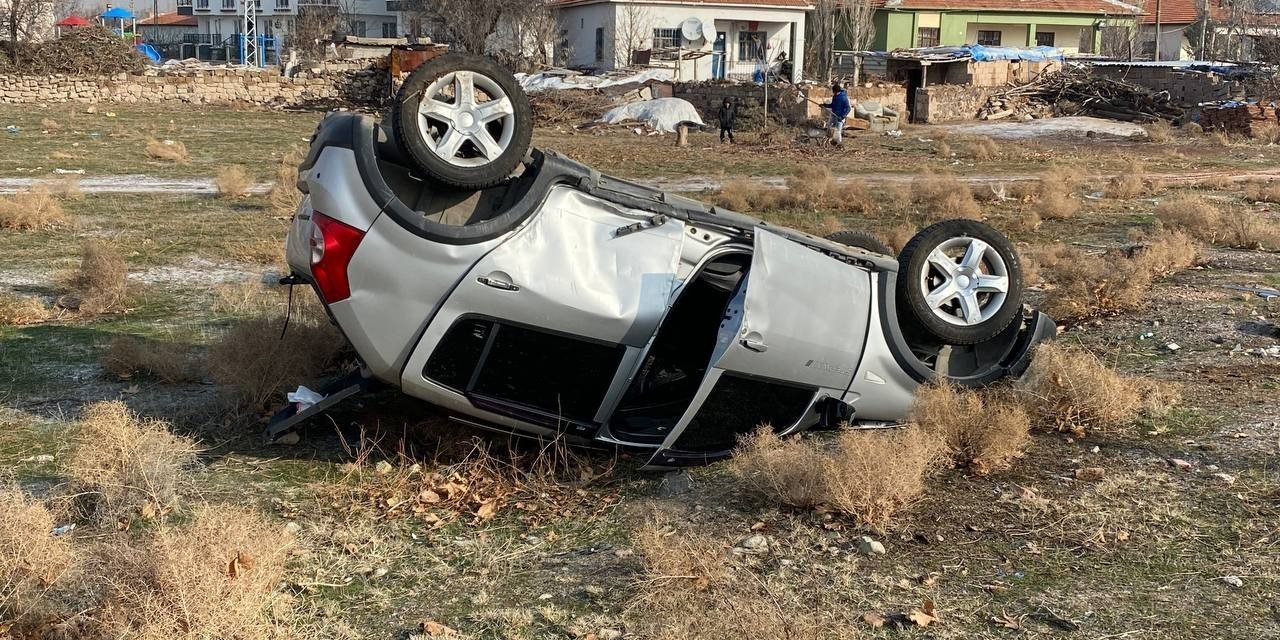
point(464, 120)
point(960, 281)
point(860, 240)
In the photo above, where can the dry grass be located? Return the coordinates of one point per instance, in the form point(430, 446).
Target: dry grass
point(23, 310)
point(1131, 182)
point(940, 196)
point(1159, 132)
point(257, 365)
point(284, 197)
point(49, 124)
point(866, 475)
point(1265, 133)
point(32, 559)
point(985, 431)
point(1055, 197)
point(36, 208)
point(1086, 285)
point(979, 148)
point(1071, 390)
point(810, 187)
point(67, 187)
point(127, 356)
point(216, 577)
point(1238, 227)
point(1263, 191)
point(1192, 129)
point(232, 181)
point(123, 466)
point(898, 236)
point(942, 149)
point(168, 150)
point(101, 283)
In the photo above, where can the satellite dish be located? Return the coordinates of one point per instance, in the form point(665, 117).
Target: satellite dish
point(691, 29)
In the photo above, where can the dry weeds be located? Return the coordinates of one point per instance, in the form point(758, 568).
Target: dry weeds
point(1130, 183)
point(123, 466)
point(985, 431)
point(67, 187)
point(1191, 129)
point(256, 364)
point(127, 356)
point(32, 559)
point(867, 475)
point(216, 577)
point(284, 196)
point(899, 235)
point(980, 148)
point(101, 284)
point(35, 208)
point(1263, 191)
point(168, 150)
point(23, 310)
point(1265, 133)
point(49, 124)
point(1237, 227)
point(232, 181)
point(940, 196)
point(1159, 132)
point(1084, 285)
point(1070, 390)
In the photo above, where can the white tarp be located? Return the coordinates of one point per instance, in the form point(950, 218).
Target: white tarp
point(1065, 126)
point(661, 114)
point(546, 81)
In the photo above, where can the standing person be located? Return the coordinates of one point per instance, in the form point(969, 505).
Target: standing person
point(727, 115)
point(840, 109)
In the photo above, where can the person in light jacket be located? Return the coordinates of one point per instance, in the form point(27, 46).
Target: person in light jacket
point(840, 108)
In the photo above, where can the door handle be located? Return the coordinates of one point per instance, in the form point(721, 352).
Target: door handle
point(497, 281)
point(755, 344)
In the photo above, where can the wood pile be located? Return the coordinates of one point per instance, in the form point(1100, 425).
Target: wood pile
point(1231, 117)
point(92, 50)
point(1079, 93)
point(568, 106)
point(1014, 108)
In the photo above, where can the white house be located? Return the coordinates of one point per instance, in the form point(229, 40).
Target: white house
point(220, 20)
point(732, 36)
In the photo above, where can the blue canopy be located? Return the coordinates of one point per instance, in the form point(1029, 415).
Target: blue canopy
point(117, 13)
point(982, 53)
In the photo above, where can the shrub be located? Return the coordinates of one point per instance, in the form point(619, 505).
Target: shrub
point(168, 150)
point(1263, 191)
point(985, 431)
point(101, 283)
point(898, 236)
point(1159, 132)
point(23, 310)
point(216, 577)
point(35, 208)
point(256, 364)
point(67, 187)
point(32, 559)
point(232, 181)
point(49, 124)
point(125, 466)
point(980, 148)
point(165, 361)
point(1191, 214)
point(1087, 285)
point(1056, 204)
point(1071, 390)
point(868, 475)
point(1192, 129)
point(284, 196)
point(1266, 133)
point(1130, 183)
point(941, 196)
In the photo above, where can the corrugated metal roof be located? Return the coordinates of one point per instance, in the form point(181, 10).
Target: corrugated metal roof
point(168, 20)
point(1103, 7)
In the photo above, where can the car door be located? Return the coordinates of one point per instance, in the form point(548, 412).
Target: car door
point(792, 334)
point(541, 327)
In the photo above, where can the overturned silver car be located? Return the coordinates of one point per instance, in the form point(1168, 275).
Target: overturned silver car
point(521, 291)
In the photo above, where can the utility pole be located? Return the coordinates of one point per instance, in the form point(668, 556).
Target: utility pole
point(249, 54)
point(1157, 56)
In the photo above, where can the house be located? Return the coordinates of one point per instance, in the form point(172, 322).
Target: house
point(167, 28)
point(219, 22)
point(697, 39)
point(1236, 29)
point(1167, 22)
point(1074, 26)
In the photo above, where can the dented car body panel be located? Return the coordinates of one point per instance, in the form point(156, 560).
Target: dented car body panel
point(570, 304)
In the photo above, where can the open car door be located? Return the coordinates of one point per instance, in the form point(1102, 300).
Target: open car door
point(792, 335)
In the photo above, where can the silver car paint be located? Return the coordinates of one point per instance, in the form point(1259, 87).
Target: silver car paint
point(881, 390)
point(336, 189)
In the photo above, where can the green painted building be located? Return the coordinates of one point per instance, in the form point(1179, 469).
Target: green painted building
point(1075, 26)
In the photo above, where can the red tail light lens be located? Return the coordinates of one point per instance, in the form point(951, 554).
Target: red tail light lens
point(332, 245)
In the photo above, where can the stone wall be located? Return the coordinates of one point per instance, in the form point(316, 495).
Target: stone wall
point(948, 103)
point(1187, 88)
point(329, 84)
point(707, 97)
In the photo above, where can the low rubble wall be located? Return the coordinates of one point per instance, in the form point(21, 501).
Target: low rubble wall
point(1187, 88)
point(345, 84)
point(949, 103)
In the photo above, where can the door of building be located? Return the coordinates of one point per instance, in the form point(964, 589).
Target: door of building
point(718, 56)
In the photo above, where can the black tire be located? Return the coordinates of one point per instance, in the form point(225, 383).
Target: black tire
point(413, 139)
point(860, 240)
point(915, 313)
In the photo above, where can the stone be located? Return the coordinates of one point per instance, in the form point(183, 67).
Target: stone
point(675, 483)
point(869, 546)
point(753, 545)
point(1234, 581)
point(289, 439)
point(1179, 464)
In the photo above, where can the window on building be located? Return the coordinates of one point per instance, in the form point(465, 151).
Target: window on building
point(358, 28)
point(282, 4)
point(183, 3)
point(228, 4)
point(751, 44)
point(928, 36)
point(599, 44)
point(1044, 38)
point(666, 43)
point(202, 4)
point(388, 29)
point(988, 38)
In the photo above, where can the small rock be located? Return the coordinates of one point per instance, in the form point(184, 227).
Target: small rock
point(1226, 478)
point(1173, 346)
point(753, 544)
point(675, 483)
point(43, 458)
point(1234, 581)
point(869, 546)
point(545, 596)
point(383, 468)
point(1179, 464)
point(1095, 449)
point(1217, 339)
point(293, 528)
point(290, 438)
point(608, 634)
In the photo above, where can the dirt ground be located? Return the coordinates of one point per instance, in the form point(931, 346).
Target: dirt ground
point(1151, 549)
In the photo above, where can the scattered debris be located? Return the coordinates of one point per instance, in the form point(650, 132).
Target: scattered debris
point(869, 546)
point(753, 545)
point(1234, 581)
point(1179, 464)
point(660, 114)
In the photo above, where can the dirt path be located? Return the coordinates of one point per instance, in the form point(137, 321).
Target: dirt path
point(129, 183)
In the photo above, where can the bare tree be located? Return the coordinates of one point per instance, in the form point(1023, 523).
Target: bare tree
point(532, 32)
point(25, 21)
point(469, 22)
point(847, 22)
point(316, 24)
point(633, 27)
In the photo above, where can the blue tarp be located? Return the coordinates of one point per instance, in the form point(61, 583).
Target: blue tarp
point(149, 51)
point(117, 13)
point(982, 53)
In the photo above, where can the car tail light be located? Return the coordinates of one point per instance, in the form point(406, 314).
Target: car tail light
point(332, 245)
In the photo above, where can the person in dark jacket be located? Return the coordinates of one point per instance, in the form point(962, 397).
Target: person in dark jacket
point(840, 108)
point(727, 115)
